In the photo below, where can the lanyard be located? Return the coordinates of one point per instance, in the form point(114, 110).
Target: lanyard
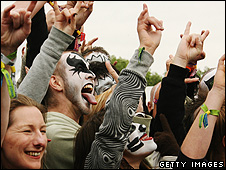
point(10, 83)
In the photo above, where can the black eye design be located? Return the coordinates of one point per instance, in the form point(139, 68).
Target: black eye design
point(142, 128)
point(78, 64)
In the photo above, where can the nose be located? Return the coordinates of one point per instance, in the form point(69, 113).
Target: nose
point(90, 75)
point(142, 128)
point(40, 140)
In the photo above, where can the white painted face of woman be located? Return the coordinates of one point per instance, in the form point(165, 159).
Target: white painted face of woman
point(139, 143)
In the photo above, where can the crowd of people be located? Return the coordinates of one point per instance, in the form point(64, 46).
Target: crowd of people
point(72, 109)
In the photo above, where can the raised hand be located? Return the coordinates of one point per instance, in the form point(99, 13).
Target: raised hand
point(66, 19)
point(15, 27)
point(111, 71)
point(190, 48)
point(148, 36)
point(83, 14)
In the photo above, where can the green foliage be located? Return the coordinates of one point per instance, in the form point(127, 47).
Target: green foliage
point(152, 78)
point(200, 73)
point(121, 63)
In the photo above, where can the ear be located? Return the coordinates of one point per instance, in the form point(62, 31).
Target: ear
point(56, 83)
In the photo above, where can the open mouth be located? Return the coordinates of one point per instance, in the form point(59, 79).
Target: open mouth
point(145, 137)
point(87, 94)
point(88, 88)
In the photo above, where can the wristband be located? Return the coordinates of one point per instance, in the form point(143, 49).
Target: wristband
point(9, 82)
point(10, 59)
point(203, 117)
point(140, 54)
point(192, 69)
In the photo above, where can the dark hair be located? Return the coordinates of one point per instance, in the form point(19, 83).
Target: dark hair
point(95, 49)
point(100, 70)
point(84, 138)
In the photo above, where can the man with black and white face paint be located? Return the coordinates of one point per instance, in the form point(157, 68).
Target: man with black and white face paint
point(97, 56)
point(70, 95)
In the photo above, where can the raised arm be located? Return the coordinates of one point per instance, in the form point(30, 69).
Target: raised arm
point(173, 89)
point(44, 64)
point(197, 141)
point(108, 146)
point(15, 27)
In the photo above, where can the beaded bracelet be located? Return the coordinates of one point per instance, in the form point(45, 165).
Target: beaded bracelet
point(203, 117)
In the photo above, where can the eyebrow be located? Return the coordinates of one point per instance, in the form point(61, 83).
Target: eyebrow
point(31, 125)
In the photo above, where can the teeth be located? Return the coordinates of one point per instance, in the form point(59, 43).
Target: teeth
point(33, 153)
point(88, 86)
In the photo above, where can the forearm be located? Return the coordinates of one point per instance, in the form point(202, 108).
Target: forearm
point(171, 102)
point(198, 140)
point(35, 39)
point(36, 82)
point(5, 106)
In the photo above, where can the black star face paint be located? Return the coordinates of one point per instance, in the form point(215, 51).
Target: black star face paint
point(79, 64)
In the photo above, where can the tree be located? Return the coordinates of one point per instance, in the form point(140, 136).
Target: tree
point(121, 63)
point(201, 73)
point(152, 78)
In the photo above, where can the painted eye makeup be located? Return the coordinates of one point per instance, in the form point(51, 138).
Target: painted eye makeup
point(78, 64)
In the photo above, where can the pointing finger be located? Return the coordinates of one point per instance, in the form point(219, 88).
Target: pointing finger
point(204, 35)
point(187, 29)
point(31, 6)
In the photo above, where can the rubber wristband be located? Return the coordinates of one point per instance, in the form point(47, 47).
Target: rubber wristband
point(140, 54)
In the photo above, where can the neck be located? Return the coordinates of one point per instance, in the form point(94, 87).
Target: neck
point(67, 108)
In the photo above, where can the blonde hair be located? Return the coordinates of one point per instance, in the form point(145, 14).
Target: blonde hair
point(101, 100)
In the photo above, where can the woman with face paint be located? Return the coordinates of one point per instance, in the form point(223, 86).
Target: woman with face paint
point(110, 141)
point(138, 146)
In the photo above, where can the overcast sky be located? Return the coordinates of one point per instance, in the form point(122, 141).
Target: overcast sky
point(115, 22)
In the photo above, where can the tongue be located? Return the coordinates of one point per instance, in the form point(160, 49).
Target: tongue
point(90, 98)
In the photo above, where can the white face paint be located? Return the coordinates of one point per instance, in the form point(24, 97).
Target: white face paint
point(105, 82)
point(97, 56)
point(139, 143)
point(79, 83)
